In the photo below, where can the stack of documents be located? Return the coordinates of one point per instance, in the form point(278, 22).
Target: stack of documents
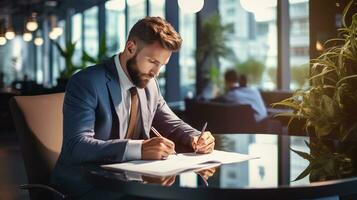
point(181, 162)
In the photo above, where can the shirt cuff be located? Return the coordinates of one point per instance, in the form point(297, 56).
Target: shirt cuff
point(133, 150)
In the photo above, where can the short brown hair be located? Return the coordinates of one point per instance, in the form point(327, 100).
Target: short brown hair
point(232, 76)
point(152, 29)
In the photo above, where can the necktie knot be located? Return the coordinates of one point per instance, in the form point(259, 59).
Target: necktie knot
point(133, 91)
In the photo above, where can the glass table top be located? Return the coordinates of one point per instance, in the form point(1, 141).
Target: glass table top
point(277, 165)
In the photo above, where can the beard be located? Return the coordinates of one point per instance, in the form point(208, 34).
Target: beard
point(139, 79)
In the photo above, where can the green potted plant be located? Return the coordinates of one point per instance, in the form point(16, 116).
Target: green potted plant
point(67, 53)
point(299, 74)
point(252, 68)
point(211, 46)
point(329, 105)
point(102, 54)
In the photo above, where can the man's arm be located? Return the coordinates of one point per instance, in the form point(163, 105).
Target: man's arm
point(79, 144)
point(171, 126)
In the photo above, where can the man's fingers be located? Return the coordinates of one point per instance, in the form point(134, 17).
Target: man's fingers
point(169, 143)
point(157, 148)
point(206, 136)
point(165, 144)
point(207, 140)
point(169, 181)
point(206, 148)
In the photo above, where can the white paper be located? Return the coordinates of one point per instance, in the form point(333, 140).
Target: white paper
point(179, 163)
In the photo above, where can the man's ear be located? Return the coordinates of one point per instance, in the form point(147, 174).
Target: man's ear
point(131, 47)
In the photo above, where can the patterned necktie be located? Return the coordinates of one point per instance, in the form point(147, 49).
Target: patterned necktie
point(133, 113)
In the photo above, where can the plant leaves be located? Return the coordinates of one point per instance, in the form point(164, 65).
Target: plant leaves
point(304, 173)
point(304, 155)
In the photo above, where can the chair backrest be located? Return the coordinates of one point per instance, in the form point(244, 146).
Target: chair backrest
point(6, 122)
point(221, 117)
point(38, 122)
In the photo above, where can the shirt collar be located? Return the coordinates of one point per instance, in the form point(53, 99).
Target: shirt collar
point(125, 83)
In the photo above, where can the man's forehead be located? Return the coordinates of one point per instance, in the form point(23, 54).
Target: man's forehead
point(157, 53)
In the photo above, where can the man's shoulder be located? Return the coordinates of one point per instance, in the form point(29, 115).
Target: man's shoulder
point(91, 73)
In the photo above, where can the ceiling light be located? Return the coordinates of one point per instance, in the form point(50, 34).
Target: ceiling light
point(2, 40)
point(58, 31)
point(257, 5)
point(32, 24)
point(38, 41)
point(319, 46)
point(27, 36)
point(53, 35)
point(134, 2)
point(189, 6)
point(115, 5)
point(10, 34)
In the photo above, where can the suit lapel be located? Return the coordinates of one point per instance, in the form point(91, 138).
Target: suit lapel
point(114, 88)
point(144, 111)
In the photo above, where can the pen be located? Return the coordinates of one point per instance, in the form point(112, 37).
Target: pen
point(199, 137)
point(203, 179)
point(158, 135)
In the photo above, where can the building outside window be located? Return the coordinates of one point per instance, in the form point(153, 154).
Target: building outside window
point(115, 26)
point(58, 63)
point(254, 40)
point(299, 43)
point(157, 8)
point(91, 39)
point(136, 11)
point(187, 59)
point(77, 21)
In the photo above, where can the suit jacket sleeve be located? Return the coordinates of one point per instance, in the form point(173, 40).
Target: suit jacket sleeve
point(79, 142)
point(172, 126)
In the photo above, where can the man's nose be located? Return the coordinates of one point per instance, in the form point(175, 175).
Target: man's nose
point(155, 71)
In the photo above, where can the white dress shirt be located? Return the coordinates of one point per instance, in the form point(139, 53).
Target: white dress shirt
point(133, 148)
point(250, 96)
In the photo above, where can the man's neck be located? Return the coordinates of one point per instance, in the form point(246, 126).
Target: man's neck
point(122, 61)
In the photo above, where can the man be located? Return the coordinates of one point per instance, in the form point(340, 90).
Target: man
point(238, 92)
point(110, 108)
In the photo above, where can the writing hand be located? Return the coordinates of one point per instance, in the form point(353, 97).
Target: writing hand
point(157, 148)
point(165, 181)
point(205, 144)
point(207, 173)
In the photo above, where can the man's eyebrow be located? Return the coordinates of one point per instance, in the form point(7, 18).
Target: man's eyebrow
point(156, 61)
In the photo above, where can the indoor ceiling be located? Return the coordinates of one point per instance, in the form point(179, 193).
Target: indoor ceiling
point(17, 11)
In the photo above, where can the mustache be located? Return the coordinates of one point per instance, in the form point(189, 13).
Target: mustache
point(151, 75)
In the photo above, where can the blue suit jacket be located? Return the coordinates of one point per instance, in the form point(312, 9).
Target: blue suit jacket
point(91, 120)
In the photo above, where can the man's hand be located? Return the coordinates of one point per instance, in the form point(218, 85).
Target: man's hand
point(165, 181)
point(205, 144)
point(157, 148)
point(206, 173)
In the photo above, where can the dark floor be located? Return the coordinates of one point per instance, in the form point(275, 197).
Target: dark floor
point(12, 169)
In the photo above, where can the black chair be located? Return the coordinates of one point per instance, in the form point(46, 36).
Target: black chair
point(6, 122)
point(227, 118)
point(38, 122)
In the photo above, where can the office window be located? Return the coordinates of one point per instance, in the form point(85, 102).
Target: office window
point(299, 43)
point(14, 58)
point(187, 59)
point(297, 163)
point(157, 8)
point(254, 41)
point(115, 27)
point(77, 21)
point(136, 11)
point(58, 62)
point(91, 39)
point(39, 62)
